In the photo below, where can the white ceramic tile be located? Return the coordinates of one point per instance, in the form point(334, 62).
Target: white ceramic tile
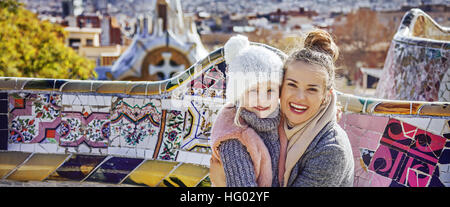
point(83, 148)
point(76, 101)
point(14, 147)
point(100, 100)
point(421, 123)
point(27, 147)
point(131, 152)
point(92, 101)
point(78, 108)
point(49, 148)
point(117, 151)
point(103, 109)
point(95, 151)
point(39, 149)
point(195, 158)
point(71, 149)
point(60, 150)
point(140, 153)
point(84, 100)
point(206, 160)
point(182, 155)
point(108, 100)
point(436, 126)
point(67, 99)
point(149, 154)
point(103, 151)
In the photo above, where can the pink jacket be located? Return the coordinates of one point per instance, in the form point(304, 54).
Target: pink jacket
point(224, 129)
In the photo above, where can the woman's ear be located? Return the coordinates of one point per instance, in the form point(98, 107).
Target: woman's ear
point(327, 97)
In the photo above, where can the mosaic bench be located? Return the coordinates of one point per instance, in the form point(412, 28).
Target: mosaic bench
point(157, 133)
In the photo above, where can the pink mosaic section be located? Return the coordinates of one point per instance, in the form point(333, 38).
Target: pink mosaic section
point(397, 152)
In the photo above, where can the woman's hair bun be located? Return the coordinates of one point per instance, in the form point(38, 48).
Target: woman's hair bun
point(234, 45)
point(321, 41)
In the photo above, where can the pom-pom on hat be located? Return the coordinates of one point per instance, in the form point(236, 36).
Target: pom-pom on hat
point(249, 65)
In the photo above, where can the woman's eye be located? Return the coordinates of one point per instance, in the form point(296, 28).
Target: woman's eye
point(292, 85)
point(312, 89)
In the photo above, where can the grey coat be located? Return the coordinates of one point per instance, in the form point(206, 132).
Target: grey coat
point(328, 161)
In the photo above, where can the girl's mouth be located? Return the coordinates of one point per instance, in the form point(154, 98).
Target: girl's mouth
point(297, 108)
point(260, 108)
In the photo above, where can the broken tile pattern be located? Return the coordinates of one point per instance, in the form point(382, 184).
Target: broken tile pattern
point(34, 118)
point(135, 122)
point(85, 119)
point(415, 72)
point(172, 135)
point(398, 152)
point(388, 150)
point(199, 120)
point(210, 83)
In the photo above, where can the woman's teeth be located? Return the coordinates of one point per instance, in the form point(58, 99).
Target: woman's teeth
point(298, 108)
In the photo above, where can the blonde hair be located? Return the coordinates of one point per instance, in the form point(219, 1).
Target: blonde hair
point(237, 122)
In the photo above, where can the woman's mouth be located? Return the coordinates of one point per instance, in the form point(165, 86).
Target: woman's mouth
point(260, 108)
point(297, 108)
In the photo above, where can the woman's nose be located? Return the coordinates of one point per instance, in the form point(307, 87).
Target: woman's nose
point(300, 95)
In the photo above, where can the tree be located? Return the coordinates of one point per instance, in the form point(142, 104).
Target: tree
point(33, 48)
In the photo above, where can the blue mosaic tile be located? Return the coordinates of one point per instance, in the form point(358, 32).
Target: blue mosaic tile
point(3, 121)
point(114, 170)
point(3, 139)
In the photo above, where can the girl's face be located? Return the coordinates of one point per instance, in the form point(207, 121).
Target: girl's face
point(302, 92)
point(261, 99)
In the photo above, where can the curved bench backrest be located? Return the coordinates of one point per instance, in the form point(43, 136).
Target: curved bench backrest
point(153, 132)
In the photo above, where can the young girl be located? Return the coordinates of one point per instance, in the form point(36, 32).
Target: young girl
point(245, 141)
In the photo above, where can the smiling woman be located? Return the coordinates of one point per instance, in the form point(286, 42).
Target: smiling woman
point(318, 150)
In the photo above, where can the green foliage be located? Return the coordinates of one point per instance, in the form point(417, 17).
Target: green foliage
point(33, 48)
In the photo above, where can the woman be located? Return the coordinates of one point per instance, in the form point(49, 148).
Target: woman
point(318, 151)
point(245, 138)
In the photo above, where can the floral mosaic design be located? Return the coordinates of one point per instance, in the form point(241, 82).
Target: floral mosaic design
point(135, 124)
point(173, 135)
point(34, 117)
point(85, 119)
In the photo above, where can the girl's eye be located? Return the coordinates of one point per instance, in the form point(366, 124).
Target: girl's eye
point(269, 90)
point(312, 89)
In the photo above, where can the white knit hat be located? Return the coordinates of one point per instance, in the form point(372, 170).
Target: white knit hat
point(249, 65)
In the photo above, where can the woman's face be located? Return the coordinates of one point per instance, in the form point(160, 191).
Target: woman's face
point(302, 92)
point(261, 99)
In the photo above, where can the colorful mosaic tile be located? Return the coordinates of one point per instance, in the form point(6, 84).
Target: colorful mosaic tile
point(201, 115)
point(210, 83)
point(173, 135)
point(135, 122)
point(34, 118)
point(85, 119)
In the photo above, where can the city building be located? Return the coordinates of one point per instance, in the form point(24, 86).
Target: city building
point(165, 43)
